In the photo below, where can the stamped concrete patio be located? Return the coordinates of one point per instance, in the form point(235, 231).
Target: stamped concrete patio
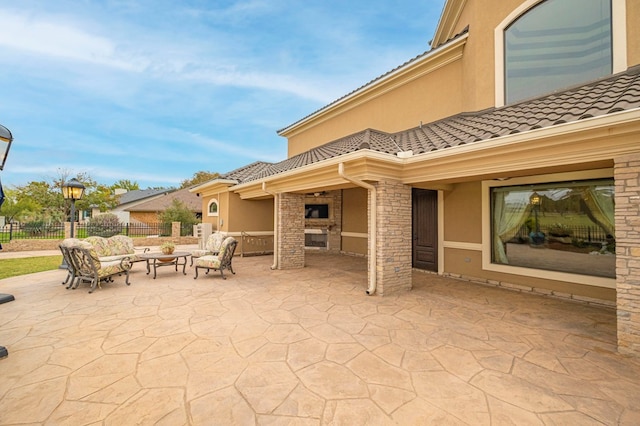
point(306, 347)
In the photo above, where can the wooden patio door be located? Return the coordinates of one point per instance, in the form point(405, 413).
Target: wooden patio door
point(425, 229)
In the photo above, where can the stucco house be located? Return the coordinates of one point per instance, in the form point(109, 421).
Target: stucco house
point(130, 199)
point(147, 211)
point(507, 154)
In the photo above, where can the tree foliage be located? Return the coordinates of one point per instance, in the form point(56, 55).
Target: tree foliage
point(178, 212)
point(125, 184)
point(198, 178)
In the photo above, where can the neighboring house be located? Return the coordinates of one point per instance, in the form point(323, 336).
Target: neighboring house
point(509, 154)
point(148, 211)
point(130, 199)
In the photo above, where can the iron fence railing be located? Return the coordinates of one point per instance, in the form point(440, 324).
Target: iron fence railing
point(53, 231)
point(583, 233)
point(34, 230)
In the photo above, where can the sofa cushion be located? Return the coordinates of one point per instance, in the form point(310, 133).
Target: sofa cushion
point(100, 245)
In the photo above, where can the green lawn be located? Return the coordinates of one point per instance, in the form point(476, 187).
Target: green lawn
point(28, 265)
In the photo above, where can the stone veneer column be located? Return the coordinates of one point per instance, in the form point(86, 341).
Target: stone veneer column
point(334, 236)
point(627, 178)
point(393, 237)
point(290, 231)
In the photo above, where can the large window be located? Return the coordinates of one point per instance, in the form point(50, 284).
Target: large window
point(557, 44)
point(564, 227)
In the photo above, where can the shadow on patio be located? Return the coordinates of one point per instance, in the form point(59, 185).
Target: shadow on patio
point(306, 347)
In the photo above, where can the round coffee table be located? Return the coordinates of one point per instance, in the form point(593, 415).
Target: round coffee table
point(158, 259)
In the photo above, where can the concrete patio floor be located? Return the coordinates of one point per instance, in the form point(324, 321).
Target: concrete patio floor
point(306, 347)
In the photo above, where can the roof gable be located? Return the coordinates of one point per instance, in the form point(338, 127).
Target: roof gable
point(190, 200)
point(620, 92)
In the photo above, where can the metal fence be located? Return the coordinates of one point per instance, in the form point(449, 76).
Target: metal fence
point(583, 233)
point(55, 231)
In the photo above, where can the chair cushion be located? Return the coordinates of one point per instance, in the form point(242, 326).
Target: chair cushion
point(208, 262)
point(214, 242)
point(198, 253)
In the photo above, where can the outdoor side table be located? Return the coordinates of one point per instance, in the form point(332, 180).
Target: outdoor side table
point(157, 259)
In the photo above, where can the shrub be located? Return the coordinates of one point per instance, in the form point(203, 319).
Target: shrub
point(104, 225)
point(35, 228)
point(179, 212)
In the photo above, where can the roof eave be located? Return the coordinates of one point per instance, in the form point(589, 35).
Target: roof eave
point(213, 183)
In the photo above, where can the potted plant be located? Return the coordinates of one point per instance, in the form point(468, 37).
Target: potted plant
point(167, 247)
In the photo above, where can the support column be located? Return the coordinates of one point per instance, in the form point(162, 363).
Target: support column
point(290, 231)
point(627, 178)
point(393, 237)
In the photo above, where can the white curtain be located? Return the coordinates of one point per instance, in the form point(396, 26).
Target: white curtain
point(601, 207)
point(506, 222)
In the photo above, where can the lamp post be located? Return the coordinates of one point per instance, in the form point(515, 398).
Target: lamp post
point(72, 190)
point(537, 237)
point(5, 143)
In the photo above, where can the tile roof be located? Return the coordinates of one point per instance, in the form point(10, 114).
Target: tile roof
point(140, 194)
point(616, 93)
point(245, 172)
point(190, 200)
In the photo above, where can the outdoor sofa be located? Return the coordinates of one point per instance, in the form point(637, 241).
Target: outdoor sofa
point(97, 259)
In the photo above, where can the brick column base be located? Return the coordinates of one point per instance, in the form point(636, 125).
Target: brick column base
point(627, 178)
point(290, 231)
point(393, 237)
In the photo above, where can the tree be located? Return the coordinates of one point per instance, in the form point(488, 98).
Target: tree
point(17, 209)
point(198, 178)
point(179, 212)
point(125, 184)
point(101, 197)
point(45, 198)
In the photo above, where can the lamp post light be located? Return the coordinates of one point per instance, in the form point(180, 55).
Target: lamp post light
point(72, 190)
point(5, 143)
point(537, 237)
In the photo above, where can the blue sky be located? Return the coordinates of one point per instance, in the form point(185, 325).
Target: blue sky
point(153, 91)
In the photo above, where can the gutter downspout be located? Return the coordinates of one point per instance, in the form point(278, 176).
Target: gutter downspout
point(374, 219)
point(275, 225)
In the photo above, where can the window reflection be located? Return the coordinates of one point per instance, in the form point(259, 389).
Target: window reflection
point(566, 227)
point(557, 44)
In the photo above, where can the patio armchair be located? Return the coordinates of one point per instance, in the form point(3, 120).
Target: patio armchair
point(220, 262)
point(211, 246)
point(86, 266)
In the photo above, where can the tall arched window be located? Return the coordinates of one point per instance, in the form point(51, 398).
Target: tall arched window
point(557, 44)
point(213, 208)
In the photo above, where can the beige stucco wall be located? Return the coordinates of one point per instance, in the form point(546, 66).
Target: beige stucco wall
point(468, 264)
point(427, 98)
point(463, 213)
point(633, 32)
point(354, 219)
point(248, 215)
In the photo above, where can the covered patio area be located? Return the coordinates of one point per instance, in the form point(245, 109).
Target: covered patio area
point(306, 346)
